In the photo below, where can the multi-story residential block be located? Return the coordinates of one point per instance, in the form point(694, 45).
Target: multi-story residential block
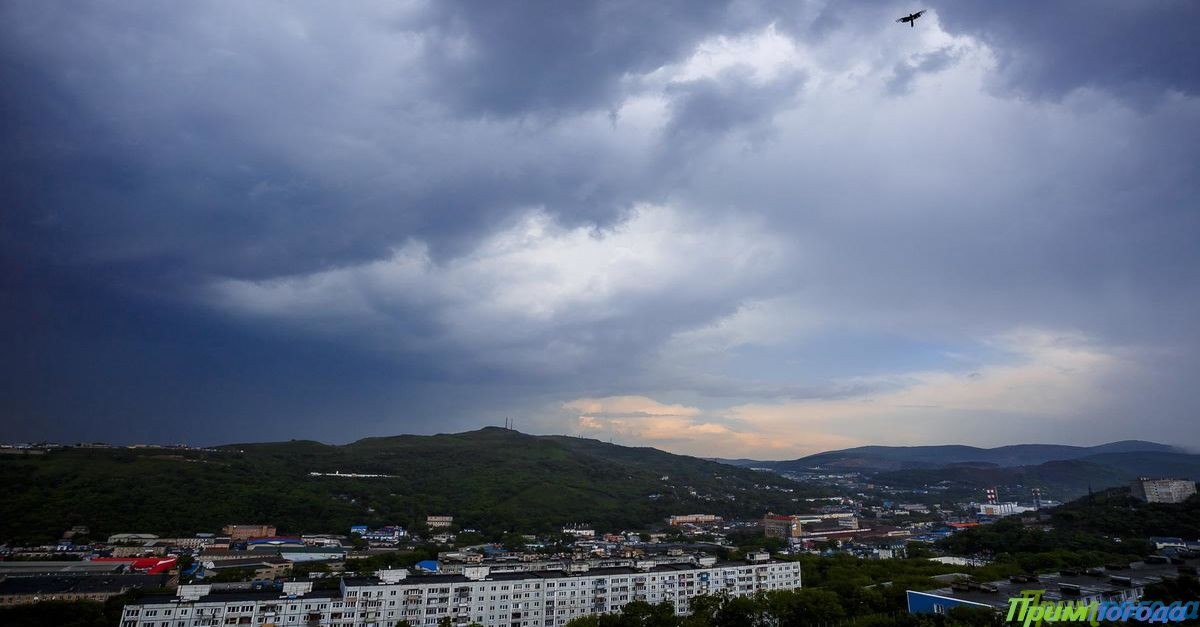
point(1163, 490)
point(439, 522)
point(1002, 509)
point(581, 532)
point(245, 532)
point(533, 599)
point(693, 519)
point(194, 542)
point(781, 526)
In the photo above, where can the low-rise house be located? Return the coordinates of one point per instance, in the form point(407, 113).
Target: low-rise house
point(389, 534)
point(1160, 543)
point(266, 567)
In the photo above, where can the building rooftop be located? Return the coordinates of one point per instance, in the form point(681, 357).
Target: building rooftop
point(22, 568)
point(245, 562)
point(81, 584)
point(419, 579)
point(1066, 585)
point(229, 596)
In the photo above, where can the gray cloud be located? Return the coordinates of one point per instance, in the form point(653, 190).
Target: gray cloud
point(708, 108)
point(929, 62)
point(1133, 50)
point(411, 217)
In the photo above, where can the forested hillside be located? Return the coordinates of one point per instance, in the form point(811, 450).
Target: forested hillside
point(492, 479)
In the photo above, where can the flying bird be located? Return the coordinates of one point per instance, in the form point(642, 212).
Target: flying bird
point(912, 18)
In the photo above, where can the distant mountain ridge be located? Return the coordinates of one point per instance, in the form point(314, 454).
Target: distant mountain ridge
point(1061, 471)
point(888, 458)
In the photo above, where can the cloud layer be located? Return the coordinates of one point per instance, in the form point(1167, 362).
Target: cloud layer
point(737, 229)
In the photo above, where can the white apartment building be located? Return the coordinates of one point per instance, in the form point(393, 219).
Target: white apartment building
point(1003, 509)
point(1163, 490)
point(532, 599)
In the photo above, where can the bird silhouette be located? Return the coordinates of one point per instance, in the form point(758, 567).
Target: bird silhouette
point(912, 18)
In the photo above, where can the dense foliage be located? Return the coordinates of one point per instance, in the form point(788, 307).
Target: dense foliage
point(1115, 513)
point(1185, 589)
point(1015, 548)
point(494, 480)
point(799, 608)
point(1009, 536)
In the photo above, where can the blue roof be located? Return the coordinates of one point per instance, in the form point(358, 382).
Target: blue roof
point(429, 565)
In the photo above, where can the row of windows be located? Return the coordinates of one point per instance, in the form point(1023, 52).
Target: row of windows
point(573, 592)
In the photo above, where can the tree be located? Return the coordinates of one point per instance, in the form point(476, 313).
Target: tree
point(973, 617)
point(804, 607)
point(642, 614)
point(742, 612)
point(303, 569)
point(703, 611)
point(231, 575)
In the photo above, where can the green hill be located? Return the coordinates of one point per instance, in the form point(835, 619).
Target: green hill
point(493, 480)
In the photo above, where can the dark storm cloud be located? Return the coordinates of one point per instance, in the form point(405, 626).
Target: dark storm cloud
point(226, 143)
point(498, 58)
point(238, 221)
point(708, 108)
point(1133, 50)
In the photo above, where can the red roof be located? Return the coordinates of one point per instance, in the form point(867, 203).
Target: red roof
point(150, 565)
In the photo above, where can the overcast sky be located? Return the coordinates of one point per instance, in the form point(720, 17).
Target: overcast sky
point(744, 229)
